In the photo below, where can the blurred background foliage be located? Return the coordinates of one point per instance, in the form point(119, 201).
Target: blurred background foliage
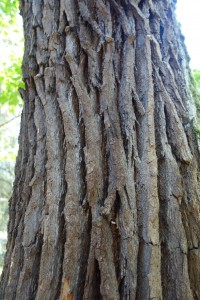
point(8, 10)
point(11, 52)
point(196, 74)
point(11, 45)
point(195, 88)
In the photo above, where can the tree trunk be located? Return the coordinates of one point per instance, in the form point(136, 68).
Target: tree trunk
point(106, 196)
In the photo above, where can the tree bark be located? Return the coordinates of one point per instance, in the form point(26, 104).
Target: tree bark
point(106, 197)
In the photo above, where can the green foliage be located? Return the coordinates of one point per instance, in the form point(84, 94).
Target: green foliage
point(8, 11)
point(196, 74)
point(195, 88)
point(11, 44)
point(10, 81)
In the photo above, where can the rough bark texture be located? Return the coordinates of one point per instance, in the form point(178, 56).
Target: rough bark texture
point(106, 196)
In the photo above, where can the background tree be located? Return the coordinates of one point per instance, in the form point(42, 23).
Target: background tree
point(106, 195)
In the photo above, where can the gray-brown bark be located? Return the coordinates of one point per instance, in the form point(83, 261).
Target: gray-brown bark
point(106, 197)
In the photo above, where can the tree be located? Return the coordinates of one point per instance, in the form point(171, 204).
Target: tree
point(106, 196)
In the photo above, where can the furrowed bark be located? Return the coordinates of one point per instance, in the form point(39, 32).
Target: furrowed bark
point(106, 197)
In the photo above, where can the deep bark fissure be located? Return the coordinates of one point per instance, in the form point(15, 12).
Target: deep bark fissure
point(86, 243)
point(83, 165)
